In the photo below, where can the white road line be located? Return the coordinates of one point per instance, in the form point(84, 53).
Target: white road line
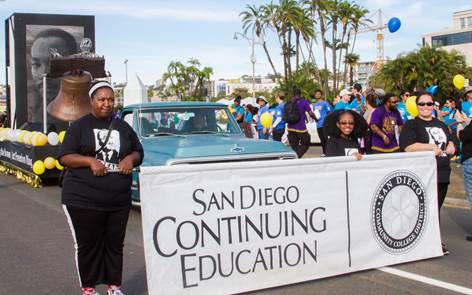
point(426, 280)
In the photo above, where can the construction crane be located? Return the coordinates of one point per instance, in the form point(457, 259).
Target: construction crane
point(378, 28)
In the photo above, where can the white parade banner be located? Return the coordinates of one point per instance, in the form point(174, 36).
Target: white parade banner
point(235, 227)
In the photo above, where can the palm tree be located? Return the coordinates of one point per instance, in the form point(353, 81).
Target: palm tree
point(288, 12)
point(345, 11)
point(253, 19)
point(351, 59)
point(356, 19)
point(333, 16)
point(303, 26)
point(321, 7)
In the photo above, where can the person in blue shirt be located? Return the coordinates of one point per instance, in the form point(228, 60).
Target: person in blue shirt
point(324, 108)
point(238, 110)
point(358, 103)
point(278, 126)
point(401, 106)
point(466, 105)
point(344, 98)
point(263, 108)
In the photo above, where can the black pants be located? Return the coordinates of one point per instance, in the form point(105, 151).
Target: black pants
point(442, 192)
point(322, 137)
point(277, 134)
point(299, 141)
point(98, 237)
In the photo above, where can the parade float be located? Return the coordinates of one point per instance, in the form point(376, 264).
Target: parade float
point(50, 62)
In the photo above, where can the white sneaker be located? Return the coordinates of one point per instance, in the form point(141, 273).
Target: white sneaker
point(115, 291)
point(93, 293)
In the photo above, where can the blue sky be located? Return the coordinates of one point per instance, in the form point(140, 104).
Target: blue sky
point(150, 34)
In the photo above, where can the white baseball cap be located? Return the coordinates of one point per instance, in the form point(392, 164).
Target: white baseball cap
point(344, 92)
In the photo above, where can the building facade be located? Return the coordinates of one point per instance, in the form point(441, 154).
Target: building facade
point(363, 71)
point(459, 37)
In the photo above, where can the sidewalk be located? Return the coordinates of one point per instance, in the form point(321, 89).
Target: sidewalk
point(456, 196)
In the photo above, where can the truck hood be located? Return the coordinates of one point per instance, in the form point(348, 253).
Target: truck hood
point(165, 150)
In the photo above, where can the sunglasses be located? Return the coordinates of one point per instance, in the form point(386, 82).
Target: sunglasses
point(347, 123)
point(429, 104)
point(406, 94)
point(394, 102)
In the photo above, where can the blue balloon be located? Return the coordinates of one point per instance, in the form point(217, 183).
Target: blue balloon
point(394, 24)
point(433, 89)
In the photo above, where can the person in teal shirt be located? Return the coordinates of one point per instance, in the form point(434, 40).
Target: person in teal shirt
point(238, 110)
point(358, 103)
point(467, 104)
point(401, 106)
point(344, 98)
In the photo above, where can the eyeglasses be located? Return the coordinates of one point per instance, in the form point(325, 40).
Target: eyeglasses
point(347, 123)
point(429, 104)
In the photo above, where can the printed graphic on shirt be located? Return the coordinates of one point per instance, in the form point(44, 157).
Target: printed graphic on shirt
point(350, 151)
point(109, 154)
point(389, 124)
point(437, 136)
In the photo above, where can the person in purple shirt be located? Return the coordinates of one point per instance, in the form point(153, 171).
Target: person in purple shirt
point(385, 123)
point(298, 135)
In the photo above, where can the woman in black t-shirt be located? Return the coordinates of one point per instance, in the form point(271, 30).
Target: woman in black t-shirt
point(100, 153)
point(343, 129)
point(426, 133)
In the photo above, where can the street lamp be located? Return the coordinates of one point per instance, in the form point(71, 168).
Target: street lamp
point(126, 70)
point(252, 42)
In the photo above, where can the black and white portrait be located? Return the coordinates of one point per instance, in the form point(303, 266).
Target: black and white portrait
point(41, 41)
point(109, 154)
point(437, 137)
point(30, 38)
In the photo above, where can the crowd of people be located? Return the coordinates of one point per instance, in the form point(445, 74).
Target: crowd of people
point(374, 122)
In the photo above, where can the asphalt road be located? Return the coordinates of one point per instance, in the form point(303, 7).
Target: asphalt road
point(37, 255)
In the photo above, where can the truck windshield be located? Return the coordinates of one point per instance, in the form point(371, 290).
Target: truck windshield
point(186, 121)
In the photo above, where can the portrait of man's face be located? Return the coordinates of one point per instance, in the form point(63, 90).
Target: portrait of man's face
point(40, 55)
point(41, 41)
point(30, 38)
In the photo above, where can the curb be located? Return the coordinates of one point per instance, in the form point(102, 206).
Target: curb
point(457, 203)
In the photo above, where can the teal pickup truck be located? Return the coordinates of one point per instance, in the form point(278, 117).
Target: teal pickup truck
point(176, 133)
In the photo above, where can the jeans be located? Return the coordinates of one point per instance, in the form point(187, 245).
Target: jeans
point(262, 135)
point(467, 165)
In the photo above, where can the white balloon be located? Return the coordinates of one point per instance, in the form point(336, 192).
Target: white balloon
point(17, 135)
point(10, 134)
point(53, 138)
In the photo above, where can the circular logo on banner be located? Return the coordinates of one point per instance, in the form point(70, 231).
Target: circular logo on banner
point(399, 212)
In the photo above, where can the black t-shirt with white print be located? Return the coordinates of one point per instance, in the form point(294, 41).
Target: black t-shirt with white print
point(431, 132)
point(339, 146)
point(80, 187)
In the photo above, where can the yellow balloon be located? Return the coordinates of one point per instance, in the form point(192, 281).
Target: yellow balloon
point(30, 137)
point(266, 120)
point(22, 135)
point(411, 107)
point(458, 81)
point(61, 136)
point(38, 167)
point(50, 163)
point(40, 139)
point(26, 137)
point(59, 166)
